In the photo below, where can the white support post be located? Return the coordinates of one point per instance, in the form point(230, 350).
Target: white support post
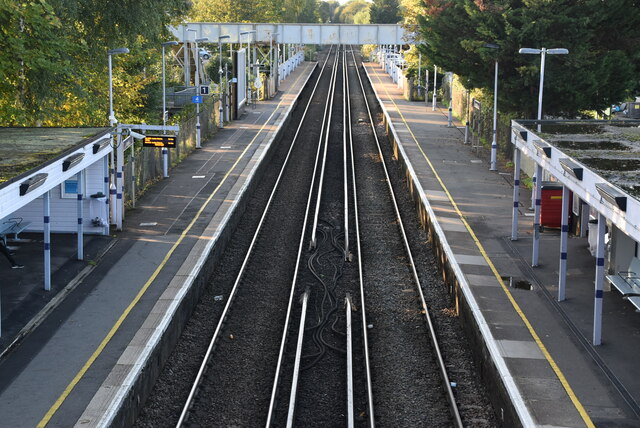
point(584, 218)
point(599, 294)
point(516, 194)
point(536, 219)
point(46, 214)
point(435, 84)
point(112, 186)
point(534, 180)
point(119, 181)
point(105, 191)
point(133, 173)
point(80, 177)
point(564, 237)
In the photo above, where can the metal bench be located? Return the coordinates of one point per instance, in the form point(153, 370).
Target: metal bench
point(13, 226)
point(628, 283)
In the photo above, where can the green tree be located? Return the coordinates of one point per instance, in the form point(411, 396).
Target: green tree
point(327, 10)
point(384, 12)
point(348, 11)
point(601, 67)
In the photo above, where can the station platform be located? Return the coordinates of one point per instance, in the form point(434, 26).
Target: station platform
point(540, 348)
point(61, 348)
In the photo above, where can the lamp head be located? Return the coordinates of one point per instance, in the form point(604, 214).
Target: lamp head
point(170, 43)
point(118, 51)
point(202, 39)
point(529, 51)
point(558, 51)
point(491, 46)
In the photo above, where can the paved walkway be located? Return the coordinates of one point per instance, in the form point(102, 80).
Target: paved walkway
point(545, 346)
point(55, 371)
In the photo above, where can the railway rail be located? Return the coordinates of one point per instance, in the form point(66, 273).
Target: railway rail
point(325, 322)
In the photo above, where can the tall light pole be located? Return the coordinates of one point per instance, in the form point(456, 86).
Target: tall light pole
point(271, 58)
point(165, 151)
point(542, 52)
point(220, 76)
point(435, 81)
point(112, 122)
point(494, 142)
point(112, 116)
point(203, 39)
point(248, 62)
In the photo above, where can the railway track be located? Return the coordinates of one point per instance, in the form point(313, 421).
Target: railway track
point(325, 322)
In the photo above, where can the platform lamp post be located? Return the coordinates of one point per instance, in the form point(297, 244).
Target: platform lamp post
point(203, 39)
point(112, 122)
point(271, 56)
point(248, 62)
point(112, 116)
point(494, 143)
point(226, 36)
point(542, 52)
point(165, 151)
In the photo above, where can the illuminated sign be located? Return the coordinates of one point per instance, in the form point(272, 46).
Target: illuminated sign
point(159, 141)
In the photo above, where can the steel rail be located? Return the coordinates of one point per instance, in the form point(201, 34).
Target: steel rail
point(365, 339)
point(296, 366)
point(346, 124)
point(283, 342)
point(350, 416)
point(324, 161)
point(443, 371)
point(208, 354)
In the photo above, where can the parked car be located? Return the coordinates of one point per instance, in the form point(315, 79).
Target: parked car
point(205, 54)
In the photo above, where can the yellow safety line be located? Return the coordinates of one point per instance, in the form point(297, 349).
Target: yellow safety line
point(552, 363)
point(52, 411)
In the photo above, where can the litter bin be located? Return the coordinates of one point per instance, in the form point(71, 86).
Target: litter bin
point(98, 210)
point(551, 204)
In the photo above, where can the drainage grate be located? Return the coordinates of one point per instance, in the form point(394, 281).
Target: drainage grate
point(520, 284)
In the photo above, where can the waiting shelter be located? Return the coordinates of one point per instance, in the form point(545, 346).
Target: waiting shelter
point(597, 165)
point(54, 180)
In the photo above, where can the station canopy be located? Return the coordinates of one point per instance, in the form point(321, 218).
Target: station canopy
point(308, 34)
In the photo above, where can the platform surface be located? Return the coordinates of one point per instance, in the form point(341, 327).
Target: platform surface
point(51, 375)
point(590, 385)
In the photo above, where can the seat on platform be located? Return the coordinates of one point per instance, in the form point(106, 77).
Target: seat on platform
point(628, 283)
point(14, 226)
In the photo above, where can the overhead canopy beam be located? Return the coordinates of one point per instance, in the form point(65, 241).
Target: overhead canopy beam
point(308, 34)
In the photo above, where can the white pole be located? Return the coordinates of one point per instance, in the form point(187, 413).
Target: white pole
point(564, 237)
point(220, 82)
point(80, 178)
point(599, 282)
point(165, 152)
point(46, 208)
point(516, 194)
point(494, 143)
point(543, 53)
point(197, 58)
point(450, 116)
point(112, 117)
point(536, 218)
point(435, 84)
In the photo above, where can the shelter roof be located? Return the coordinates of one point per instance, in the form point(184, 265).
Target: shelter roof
point(23, 149)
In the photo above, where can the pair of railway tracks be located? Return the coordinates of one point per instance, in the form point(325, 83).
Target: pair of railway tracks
point(324, 323)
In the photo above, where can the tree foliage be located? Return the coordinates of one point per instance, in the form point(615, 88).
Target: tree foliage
point(347, 12)
point(385, 12)
point(601, 67)
point(53, 65)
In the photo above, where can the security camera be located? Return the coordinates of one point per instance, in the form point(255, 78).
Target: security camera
point(137, 136)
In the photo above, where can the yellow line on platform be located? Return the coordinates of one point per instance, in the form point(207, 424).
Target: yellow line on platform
point(574, 399)
point(52, 411)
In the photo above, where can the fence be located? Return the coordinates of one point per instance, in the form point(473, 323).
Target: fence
point(145, 166)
